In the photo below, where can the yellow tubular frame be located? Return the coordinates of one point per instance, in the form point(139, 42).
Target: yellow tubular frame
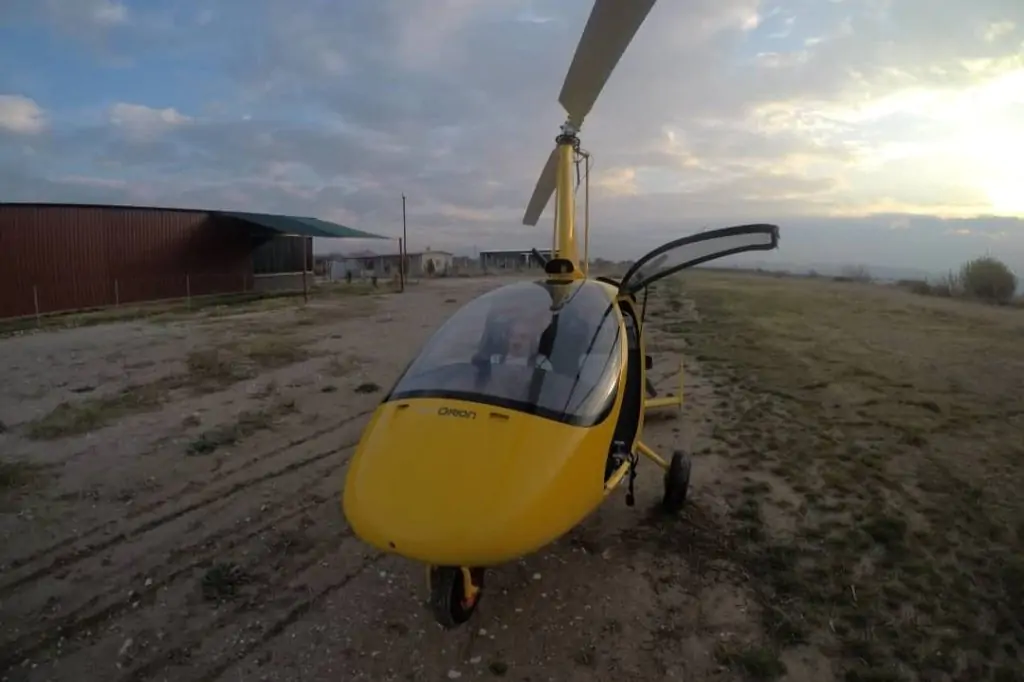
point(651, 455)
point(565, 211)
point(617, 476)
point(670, 401)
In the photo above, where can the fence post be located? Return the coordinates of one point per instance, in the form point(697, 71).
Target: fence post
point(401, 265)
point(305, 286)
point(117, 293)
point(35, 302)
point(188, 291)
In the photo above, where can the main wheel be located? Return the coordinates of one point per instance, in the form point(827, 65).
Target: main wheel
point(448, 598)
point(677, 483)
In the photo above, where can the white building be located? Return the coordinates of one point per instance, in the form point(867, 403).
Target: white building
point(429, 263)
point(505, 259)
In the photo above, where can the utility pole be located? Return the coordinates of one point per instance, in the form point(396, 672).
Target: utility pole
point(401, 266)
point(404, 247)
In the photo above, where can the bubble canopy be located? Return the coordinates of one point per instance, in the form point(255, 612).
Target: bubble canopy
point(548, 349)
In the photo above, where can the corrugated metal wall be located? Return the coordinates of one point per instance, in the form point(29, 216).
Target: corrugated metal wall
point(55, 258)
point(280, 254)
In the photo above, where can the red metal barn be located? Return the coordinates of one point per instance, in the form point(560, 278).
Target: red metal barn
point(59, 257)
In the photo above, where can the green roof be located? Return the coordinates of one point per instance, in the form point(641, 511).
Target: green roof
point(298, 227)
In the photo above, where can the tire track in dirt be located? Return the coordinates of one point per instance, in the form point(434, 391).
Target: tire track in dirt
point(65, 632)
point(76, 556)
point(167, 656)
point(148, 507)
point(292, 616)
point(79, 620)
point(190, 638)
point(195, 518)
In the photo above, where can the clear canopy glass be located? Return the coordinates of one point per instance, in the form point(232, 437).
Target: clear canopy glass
point(699, 248)
point(553, 350)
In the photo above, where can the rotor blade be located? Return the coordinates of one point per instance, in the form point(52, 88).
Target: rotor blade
point(543, 191)
point(609, 30)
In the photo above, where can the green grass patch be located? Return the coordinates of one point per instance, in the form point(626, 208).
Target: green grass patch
point(759, 663)
point(17, 474)
point(246, 424)
point(895, 423)
point(206, 371)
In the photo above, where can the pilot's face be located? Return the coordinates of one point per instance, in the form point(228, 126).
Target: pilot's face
point(520, 339)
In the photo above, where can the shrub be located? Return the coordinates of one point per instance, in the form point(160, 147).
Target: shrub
point(948, 286)
point(854, 273)
point(988, 279)
point(916, 286)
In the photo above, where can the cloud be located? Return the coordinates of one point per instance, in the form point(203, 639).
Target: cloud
point(21, 115)
point(108, 13)
point(67, 14)
point(618, 181)
point(142, 122)
point(997, 29)
point(721, 111)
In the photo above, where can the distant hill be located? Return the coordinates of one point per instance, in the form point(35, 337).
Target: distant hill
point(880, 272)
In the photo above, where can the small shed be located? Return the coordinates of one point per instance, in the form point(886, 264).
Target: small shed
point(512, 259)
point(364, 264)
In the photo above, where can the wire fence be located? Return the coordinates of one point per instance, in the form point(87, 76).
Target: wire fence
point(27, 300)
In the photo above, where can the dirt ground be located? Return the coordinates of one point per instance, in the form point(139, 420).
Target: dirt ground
point(170, 500)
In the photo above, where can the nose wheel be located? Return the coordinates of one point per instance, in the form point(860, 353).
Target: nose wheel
point(454, 593)
point(677, 483)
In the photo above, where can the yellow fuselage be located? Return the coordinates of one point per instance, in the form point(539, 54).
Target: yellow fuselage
point(471, 490)
point(450, 482)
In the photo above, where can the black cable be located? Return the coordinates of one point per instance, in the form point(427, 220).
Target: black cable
point(579, 369)
point(643, 308)
point(590, 165)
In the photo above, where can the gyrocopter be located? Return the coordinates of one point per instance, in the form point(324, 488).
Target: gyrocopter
point(525, 409)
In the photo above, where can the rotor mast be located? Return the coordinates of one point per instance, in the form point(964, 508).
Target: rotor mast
point(565, 223)
point(609, 30)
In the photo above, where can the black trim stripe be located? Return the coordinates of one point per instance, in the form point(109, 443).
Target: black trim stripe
point(755, 228)
point(512, 405)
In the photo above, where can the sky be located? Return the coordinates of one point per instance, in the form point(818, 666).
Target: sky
point(877, 132)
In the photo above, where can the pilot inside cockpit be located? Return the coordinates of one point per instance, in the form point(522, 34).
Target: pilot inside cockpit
point(513, 337)
point(516, 348)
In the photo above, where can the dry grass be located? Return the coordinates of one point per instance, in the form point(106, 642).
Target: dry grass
point(151, 311)
point(206, 371)
point(72, 418)
point(244, 425)
point(213, 306)
point(342, 366)
point(272, 352)
point(16, 474)
point(875, 442)
point(757, 662)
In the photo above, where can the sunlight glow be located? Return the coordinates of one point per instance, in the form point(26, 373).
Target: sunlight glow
point(956, 150)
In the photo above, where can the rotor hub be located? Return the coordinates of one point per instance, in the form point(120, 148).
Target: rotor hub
point(609, 30)
point(568, 135)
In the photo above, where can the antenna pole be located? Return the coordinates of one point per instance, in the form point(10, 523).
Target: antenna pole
point(401, 266)
point(586, 219)
point(403, 246)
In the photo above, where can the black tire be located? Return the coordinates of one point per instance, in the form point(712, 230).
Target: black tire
point(677, 483)
point(447, 593)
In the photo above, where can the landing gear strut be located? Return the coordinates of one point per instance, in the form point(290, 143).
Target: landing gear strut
point(454, 593)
